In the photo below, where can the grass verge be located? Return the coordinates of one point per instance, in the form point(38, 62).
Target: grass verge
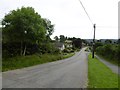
point(68, 55)
point(26, 61)
point(99, 75)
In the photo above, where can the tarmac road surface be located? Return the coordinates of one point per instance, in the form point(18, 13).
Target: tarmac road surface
point(67, 73)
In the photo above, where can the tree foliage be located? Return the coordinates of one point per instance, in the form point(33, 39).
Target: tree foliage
point(25, 27)
point(56, 38)
point(118, 41)
point(62, 38)
point(25, 19)
point(109, 51)
point(77, 43)
point(108, 41)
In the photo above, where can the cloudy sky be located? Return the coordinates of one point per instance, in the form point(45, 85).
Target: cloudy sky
point(69, 17)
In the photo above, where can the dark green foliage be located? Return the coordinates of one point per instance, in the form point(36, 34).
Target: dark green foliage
point(98, 44)
point(26, 61)
point(48, 48)
point(118, 41)
point(31, 60)
point(66, 50)
point(84, 41)
point(69, 50)
point(49, 27)
point(118, 54)
point(73, 38)
point(62, 38)
point(23, 32)
point(77, 43)
point(108, 41)
point(109, 51)
point(19, 21)
point(56, 38)
point(12, 49)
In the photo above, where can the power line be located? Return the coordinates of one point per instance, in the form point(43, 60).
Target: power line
point(86, 12)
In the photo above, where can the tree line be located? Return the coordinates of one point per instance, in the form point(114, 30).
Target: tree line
point(109, 51)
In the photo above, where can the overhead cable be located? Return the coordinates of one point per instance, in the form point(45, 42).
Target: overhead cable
point(86, 12)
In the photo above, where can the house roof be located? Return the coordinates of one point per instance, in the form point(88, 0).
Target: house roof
point(68, 41)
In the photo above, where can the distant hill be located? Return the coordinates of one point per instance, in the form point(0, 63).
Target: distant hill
point(113, 40)
point(102, 40)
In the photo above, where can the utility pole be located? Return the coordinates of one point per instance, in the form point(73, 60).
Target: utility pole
point(94, 26)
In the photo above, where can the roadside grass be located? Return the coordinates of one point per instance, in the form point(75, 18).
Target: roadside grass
point(100, 76)
point(31, 60)
point(67, 55)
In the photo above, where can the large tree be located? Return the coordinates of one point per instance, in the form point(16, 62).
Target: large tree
point(25, 26)
point(62, 38)
point(56, 38)
point(77, 43)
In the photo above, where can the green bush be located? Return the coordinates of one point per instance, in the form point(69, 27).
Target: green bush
point(109, 51)
point(26, 61)
point(98, 44)
point(66, 50)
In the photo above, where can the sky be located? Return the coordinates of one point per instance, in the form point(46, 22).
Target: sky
point(69, 17)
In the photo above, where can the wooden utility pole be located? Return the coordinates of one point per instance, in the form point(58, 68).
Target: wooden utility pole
point(93, 41)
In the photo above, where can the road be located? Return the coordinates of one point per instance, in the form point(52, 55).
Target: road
point(67, 73)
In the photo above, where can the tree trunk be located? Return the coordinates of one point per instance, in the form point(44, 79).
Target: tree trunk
point(24, 50)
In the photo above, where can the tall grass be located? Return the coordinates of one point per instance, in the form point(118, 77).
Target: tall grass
point(26, 61)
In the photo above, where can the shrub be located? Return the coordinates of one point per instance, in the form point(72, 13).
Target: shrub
point(109, 51)
point(66, 51)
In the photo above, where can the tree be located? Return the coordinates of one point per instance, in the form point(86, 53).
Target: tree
point(108, 41)
point(25, 26)
point(85, 42)
point(77, 43)
point(98, 41)
point(73, 38)
point(49, 27)
point(98, 44)
point(118, 41)
point(62, 38)
point(56, 38)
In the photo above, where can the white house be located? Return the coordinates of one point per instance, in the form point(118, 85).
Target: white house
point(60, 45)
point(68, 44)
